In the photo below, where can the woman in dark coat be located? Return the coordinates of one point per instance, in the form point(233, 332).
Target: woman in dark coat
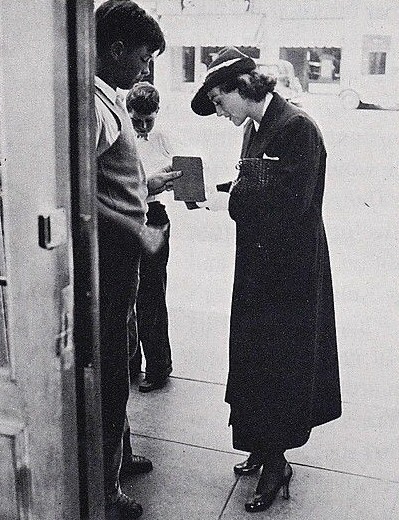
point(283, 367)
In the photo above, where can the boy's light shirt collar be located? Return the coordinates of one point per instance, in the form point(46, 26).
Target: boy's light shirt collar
point(268, 98)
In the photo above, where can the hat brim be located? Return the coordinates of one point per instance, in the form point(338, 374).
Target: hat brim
point(201, 104)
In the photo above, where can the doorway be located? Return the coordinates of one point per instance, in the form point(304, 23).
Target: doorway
point(48, 364)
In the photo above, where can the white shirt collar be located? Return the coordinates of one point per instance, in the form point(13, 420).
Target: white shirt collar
point(268, 98)
point(105, 88)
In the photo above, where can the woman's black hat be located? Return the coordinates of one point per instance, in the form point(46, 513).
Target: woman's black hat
point(229, 63)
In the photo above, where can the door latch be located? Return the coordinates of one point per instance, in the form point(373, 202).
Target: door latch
point(53, 229)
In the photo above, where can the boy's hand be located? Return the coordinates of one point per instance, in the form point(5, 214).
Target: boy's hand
point(162, 180)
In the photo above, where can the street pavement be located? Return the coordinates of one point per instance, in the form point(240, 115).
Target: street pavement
point(349, 469)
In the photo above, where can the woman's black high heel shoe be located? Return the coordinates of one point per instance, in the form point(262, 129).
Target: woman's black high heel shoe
point(249, 466)
point(272, 479)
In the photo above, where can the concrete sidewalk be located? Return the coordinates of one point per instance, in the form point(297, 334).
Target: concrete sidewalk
point(349, 469)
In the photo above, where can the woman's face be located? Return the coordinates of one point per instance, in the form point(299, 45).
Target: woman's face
point(230, 105)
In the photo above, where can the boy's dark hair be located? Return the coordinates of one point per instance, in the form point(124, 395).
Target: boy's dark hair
point(143, 98)
point(251, 85)
point(125, 21)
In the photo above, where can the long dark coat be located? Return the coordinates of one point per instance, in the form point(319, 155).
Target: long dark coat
point(283, 367)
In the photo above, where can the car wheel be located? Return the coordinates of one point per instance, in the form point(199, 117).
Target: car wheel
point(350, 99)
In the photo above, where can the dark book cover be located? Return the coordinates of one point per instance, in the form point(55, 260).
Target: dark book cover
point(190, 187)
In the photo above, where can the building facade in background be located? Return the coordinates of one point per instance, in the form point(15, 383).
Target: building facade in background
point(333, 45)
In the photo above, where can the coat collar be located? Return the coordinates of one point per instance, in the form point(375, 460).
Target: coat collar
point(278, 111)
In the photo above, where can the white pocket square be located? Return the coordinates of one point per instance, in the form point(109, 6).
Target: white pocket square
point(265, 156)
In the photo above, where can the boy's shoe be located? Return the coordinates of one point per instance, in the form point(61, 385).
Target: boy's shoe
point(134, 465)
point(123, 508)
point(149, 384)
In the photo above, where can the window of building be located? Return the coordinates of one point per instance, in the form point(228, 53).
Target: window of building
point(323, 64)
point(188, 64)
point(375, 50)
point(377, 61)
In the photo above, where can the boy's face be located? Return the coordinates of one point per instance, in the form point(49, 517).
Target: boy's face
point(143, 123)
point(133, 65)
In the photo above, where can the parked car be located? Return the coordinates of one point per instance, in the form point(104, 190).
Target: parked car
point(288, 85)
point(380, 90)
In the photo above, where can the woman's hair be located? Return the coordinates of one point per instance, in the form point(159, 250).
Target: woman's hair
point(143, 98)
point(125, 21)
point(251, 85)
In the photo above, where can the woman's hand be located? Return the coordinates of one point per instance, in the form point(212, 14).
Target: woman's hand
point(215, 200)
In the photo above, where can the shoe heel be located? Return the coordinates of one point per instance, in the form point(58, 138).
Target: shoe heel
point(286, 481)
point(286, 490)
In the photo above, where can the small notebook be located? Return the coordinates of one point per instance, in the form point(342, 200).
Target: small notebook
point(190, 187)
